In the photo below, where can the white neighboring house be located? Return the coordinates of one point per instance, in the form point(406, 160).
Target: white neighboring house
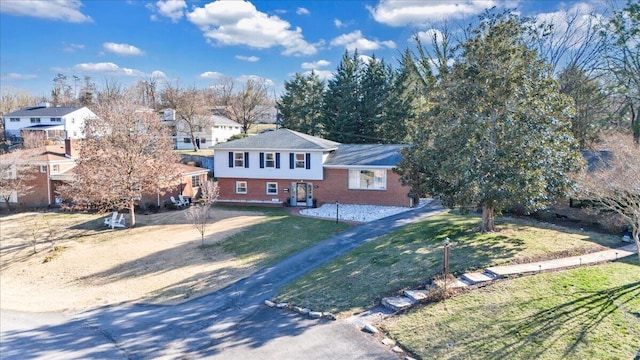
point(221, 130)
point(57, 122)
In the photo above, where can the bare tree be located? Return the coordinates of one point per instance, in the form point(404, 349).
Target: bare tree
point(16, 175)
point(200, 213)
point(127, 153)
point(87, 92)
point(246, 104)
point(111, 91)
point(192, 112)
point(615, 184)
point(11, 100)
point(147, 91)
point(61, 94)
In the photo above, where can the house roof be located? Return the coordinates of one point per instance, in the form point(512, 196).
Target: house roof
point(221, 120)
point(41, 155)
point(282, 139)
point(365, 155)
point(186, 170)
point(43, 127)
point(53, 111)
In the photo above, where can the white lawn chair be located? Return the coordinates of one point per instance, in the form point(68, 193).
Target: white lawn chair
point(183, 201)
point(176, 203)
point(119, 223)
point(112, 219)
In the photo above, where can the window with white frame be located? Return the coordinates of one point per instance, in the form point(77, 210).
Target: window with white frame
point(238, 159)
point(43, 169)
point(35, 120)
point(272, 188)
point(203, 140)
point(300, 161)
point(241, 187)
point(368, 179)
point(269, 160)
point(56, 120)
point(187, 140)
point(195, 181)
point(55, 168)
point(14, 119)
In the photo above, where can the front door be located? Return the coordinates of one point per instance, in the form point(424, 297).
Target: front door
point(301, 193)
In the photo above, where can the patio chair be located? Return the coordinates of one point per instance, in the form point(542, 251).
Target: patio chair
point(183, 201)
point(112, 219)
point(119, 223)
point(176, 203)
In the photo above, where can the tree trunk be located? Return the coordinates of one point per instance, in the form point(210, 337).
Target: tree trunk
point(488, 217)
point(636, 237)
point(132, 213)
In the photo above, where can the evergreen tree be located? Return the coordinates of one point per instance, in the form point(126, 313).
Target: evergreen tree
point(302, 104)
point(342, 101)
point(500, 131)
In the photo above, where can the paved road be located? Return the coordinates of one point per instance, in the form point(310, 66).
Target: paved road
point(230, 323)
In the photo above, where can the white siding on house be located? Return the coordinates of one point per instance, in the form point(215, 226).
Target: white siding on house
point(253, 171)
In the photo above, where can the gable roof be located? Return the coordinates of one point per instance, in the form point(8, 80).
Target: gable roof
point(44, 111)
point(221, 120)
point(282, 139)
point(365, 155)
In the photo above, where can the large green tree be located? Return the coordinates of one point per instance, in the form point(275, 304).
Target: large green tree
point(302, 104)
point(622, 57)
point(499, 129)
point(342, 101)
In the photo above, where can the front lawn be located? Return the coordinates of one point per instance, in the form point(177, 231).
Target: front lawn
point(585, 313)
point(412, 255)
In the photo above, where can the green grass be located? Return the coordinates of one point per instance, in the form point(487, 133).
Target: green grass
point(277, 237)
point(412, 255)
point(586, 313)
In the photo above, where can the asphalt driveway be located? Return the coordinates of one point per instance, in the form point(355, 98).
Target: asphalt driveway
point(231, 323)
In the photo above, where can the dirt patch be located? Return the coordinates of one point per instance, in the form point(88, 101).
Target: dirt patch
point(161, 260)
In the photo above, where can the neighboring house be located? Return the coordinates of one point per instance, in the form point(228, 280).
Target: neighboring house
point(221, 130)
point(285, 166)
point(55, 123)
point(46, 169)
point(53, 165)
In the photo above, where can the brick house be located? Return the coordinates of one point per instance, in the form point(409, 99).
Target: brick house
point(288, 167)
point(47, 168)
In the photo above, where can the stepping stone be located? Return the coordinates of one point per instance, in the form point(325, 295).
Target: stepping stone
point(458, 283)
point(398, 303)
point(477, 277)
point(416, 295)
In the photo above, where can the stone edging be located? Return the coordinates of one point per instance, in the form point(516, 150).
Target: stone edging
point(300, 310)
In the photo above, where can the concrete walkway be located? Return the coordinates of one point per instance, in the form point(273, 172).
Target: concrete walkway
point(210, 326)
point(412, 297)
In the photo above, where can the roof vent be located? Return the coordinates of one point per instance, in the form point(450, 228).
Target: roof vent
point(44, 104)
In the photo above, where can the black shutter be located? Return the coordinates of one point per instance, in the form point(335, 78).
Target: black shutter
point(291, 163)
point(230, 159)
point(246, 159)
point(277, 160)
point(261, 160)
point(308, 160)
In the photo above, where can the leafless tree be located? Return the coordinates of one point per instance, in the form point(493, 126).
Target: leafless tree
point(61, 94)
point(16, 175)
point(147, 91)
point(192, 111)
point(200, 213)
point(127, 153)
point(614, 185)
point(11, 100)
point(111, 92)
point(33, 139)
point(245, 104)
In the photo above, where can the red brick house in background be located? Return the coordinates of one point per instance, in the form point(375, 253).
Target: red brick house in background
point(52, 166)
point(288, 167)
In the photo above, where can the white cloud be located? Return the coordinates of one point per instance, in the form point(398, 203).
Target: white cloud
point(315, 64)
point(303, 11)
point(173, 9)
point(401, 13)
point(243, 79)
point(61, 10)
point(322, 74)
point(211, 75)
point(122, 49)
point(240, 23)
point(574, 23)
point(109, 68)
point(339, 24)
point(16, 76)
point(427, 37)
point(354, 40)
point(247, 58)
point(71, 48)
point(158, 74)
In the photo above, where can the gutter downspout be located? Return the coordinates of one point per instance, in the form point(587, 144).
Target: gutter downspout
point(48, 185)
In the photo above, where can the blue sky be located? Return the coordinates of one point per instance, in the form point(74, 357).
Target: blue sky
point(200, 41)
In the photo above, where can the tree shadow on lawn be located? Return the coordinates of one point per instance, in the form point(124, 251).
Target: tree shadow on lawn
point(573, 320)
